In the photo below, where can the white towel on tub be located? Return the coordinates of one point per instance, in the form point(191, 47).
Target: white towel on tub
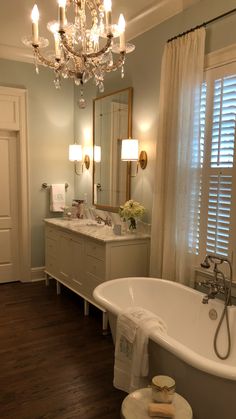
point(131, 351)
point(57, 197)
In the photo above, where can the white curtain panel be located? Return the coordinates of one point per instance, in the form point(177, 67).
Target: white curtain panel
point(178, 171)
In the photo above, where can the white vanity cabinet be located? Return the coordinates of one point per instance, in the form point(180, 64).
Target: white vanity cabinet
point(80, 261)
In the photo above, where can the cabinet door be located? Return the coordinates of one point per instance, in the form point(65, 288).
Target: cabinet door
point(52, 251)
point(95, 266)
point(65, 259)
point(77, 261)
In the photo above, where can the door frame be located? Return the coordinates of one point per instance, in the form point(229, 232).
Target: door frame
point(20, 126)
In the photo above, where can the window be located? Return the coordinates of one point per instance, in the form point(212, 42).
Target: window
point(217, 211)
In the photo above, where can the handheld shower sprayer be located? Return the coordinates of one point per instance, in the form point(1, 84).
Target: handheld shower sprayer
point(216, 285)
point(216, 260)
point(206, 264)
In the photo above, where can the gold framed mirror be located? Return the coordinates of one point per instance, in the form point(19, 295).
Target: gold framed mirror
point(112, 122)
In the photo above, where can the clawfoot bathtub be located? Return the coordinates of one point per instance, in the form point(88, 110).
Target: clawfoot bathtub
point(186, 352)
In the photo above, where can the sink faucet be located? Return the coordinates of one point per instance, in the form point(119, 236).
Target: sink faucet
point(107, 221)
point(218, 284)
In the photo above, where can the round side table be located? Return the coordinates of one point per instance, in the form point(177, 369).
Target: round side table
point(135, 405)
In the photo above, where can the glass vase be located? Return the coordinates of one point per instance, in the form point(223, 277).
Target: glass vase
point(132, 224)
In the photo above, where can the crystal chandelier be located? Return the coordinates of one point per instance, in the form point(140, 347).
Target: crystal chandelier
point(85, 48)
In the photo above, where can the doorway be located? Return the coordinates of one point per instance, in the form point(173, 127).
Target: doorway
point(14, 198)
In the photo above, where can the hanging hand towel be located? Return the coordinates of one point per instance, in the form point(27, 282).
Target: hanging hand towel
point(131, 352)
point(57, 197)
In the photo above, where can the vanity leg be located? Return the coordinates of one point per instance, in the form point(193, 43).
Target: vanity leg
point(105, 323)
point(58, 288)
point(86, 308)
point(47, 280)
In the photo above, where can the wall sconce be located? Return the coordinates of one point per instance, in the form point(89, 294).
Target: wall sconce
point(87, 161)
point(129, 152)
point(97, 153)
point(76, 155)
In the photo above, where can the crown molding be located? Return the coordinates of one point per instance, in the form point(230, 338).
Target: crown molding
point(152, 16)
point(9, 52)
point(156, 14)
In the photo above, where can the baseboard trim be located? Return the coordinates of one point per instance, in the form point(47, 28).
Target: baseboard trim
point(38, 274)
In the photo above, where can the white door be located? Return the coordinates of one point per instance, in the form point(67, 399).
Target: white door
point(15, 247)
point(9, 259)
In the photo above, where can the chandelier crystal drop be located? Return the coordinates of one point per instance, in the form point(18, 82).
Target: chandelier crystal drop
point(85, 49)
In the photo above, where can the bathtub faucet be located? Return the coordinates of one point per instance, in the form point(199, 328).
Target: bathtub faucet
point(213, 291)
point(218, 284)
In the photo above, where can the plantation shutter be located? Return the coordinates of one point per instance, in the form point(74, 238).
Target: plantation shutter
point(218, 122)
point(219, 214)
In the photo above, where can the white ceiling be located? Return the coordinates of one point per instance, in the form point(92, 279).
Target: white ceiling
point(140, 15)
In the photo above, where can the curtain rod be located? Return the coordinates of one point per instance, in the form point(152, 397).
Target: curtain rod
point(203, 24)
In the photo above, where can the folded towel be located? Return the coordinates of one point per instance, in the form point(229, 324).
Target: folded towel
point(131, 352)
point(57, 197)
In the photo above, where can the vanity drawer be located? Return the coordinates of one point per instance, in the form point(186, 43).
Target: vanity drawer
point(95, 250)
point(95, 267)
point(51, 233)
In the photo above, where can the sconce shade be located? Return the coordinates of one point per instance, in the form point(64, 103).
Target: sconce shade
point(129, 150)
point(75, 152)
point(97, 153)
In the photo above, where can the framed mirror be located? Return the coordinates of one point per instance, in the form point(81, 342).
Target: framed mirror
point(112, 117)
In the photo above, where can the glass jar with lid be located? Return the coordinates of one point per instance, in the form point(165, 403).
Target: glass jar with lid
point(163, 389)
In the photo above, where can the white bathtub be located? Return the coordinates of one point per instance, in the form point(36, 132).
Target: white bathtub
point(186, 352)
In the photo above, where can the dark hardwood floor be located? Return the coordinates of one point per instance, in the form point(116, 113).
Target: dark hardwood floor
point(54, 362)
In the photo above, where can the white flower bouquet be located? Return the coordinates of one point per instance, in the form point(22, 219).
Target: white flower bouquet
point(130, 211)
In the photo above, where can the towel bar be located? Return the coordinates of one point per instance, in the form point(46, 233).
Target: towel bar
point(45, 185)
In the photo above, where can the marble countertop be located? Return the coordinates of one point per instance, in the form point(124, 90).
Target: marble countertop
point(92, 229)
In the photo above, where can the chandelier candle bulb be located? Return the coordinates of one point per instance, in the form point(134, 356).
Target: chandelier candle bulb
point(57, 46)
point(62, 14)
point(121, 26)
point(107, 7)
point(35, 27)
